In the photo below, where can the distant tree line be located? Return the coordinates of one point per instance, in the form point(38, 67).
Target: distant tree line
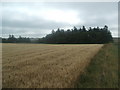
point(71, 36)
point(78, 36)
point(12, 39)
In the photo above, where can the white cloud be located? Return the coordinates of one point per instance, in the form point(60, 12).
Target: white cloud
point(41, 18)
point(69, 16)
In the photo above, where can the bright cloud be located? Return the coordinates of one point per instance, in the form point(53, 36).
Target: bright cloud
point(37, 20)
point(70, 17)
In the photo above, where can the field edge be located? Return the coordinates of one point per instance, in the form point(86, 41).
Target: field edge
point(98, 73)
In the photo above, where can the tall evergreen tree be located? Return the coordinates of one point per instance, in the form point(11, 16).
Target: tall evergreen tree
point(92, 35)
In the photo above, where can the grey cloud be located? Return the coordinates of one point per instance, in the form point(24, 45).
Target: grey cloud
point(25, 21)
point(41, 24)
point(14, 21)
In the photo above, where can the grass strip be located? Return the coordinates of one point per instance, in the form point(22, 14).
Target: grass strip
point(102, 72)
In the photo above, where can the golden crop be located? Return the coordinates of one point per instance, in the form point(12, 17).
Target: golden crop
point(44, 65)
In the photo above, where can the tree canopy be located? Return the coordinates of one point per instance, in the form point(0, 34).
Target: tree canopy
point(78, 36)
point(12, 39)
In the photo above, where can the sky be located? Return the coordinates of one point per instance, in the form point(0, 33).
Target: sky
point(36, 20)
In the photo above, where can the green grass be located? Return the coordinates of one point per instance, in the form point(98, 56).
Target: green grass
point(103, 69)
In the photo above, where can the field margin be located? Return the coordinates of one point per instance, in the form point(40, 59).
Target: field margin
point(102, 72)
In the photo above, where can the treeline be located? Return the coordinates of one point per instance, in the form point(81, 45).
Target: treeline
point(12, 39)
point(79, 36)
point(71, 36)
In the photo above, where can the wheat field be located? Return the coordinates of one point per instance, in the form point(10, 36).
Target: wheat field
point(44, 65)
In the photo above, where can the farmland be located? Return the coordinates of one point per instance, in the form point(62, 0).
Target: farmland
point(103, 71)
point(45, 65)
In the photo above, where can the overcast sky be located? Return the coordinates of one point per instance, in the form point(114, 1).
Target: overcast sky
point(38, 19)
